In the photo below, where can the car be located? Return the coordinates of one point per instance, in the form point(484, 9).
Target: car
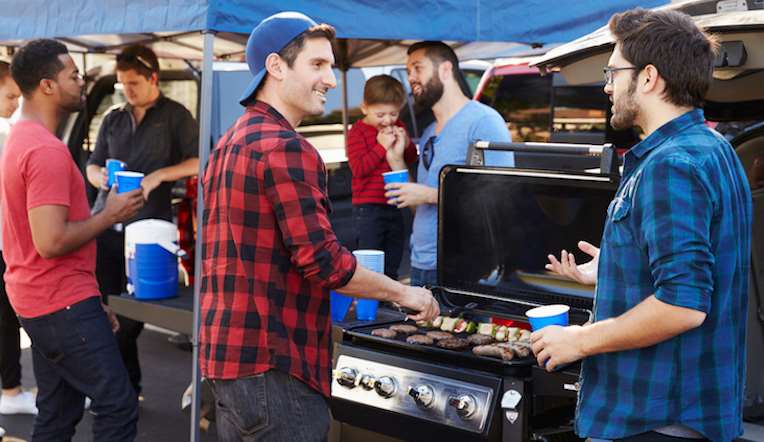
point(546, 108)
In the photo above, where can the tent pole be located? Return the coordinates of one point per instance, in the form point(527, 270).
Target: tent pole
point(344, 65)
point(205, 124)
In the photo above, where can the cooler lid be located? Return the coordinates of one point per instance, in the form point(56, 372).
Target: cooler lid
point(496, 227)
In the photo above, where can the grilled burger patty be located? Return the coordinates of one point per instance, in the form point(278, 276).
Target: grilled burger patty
point(404, 328)
point(439, 335)
point(457, 344)
point(478, 339)
point(420, 339)
point(494, 351)
point(383, 333)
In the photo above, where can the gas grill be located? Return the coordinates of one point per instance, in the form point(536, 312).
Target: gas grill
point(496, 227)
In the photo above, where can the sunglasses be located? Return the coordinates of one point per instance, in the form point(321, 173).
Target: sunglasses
point(428, 152)
point(135, 58)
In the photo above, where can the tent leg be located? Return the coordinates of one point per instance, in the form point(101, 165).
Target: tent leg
point(345, 119)
point(205, 123)
point(343, 65)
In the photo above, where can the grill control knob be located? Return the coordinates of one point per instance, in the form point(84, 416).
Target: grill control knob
point(367, 382)
point(423, 395)
point(385, 386)
point(464, 404)
point(346, 377)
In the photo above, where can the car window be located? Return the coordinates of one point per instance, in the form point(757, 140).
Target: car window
point(580, 109)
point(524, 102)
point(473, 77)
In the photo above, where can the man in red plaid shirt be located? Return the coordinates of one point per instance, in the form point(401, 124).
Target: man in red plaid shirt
point(270, 255)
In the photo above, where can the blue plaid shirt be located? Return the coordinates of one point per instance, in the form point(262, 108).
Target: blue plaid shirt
point(679, 228)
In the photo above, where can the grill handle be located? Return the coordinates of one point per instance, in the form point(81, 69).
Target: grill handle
point(606, 152)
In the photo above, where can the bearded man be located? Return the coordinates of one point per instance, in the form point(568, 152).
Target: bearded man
point(433, 71)
point(664, 357)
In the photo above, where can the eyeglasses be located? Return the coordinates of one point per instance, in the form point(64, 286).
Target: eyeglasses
point(132, 58)
point(428, 152)
point(608, 71)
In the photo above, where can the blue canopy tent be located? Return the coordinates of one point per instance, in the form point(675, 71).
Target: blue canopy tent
point(365, 28)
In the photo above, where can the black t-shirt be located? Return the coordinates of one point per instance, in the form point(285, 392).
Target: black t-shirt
point(166, 136)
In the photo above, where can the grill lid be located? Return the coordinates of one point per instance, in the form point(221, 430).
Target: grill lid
point(496, 227)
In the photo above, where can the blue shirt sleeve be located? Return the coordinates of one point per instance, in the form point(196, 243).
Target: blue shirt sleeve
point(492, 127)
point(676, 230)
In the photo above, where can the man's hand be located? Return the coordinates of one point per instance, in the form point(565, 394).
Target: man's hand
point(420, 300)
point(97, 176)
point(123, 206)
point(555, 346)
point(386, 137)
point(104, 179)
point(410, 194)
point(112, 318)
point(151, 182)
point(566, 266)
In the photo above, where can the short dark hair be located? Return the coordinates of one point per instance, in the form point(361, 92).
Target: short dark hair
point(5, 70)
point(138, 58)
point(35, 61)
point(669, 40)
point(292, 49)
point(384, 89)
point(438, 52)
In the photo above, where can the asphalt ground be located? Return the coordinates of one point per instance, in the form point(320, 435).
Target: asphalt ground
point(166, 375)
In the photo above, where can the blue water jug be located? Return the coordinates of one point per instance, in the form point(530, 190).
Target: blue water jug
point(151, 259)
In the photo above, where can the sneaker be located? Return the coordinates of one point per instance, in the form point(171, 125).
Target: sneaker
point(22, 403)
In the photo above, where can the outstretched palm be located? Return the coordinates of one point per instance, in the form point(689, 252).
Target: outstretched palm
point(583, 273)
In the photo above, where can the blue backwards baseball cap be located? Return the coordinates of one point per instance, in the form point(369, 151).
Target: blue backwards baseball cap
point(270, 36)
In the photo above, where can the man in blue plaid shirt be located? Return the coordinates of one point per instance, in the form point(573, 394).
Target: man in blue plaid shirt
point(665, 354)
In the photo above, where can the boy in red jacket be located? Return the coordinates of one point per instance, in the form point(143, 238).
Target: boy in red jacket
point(376, 145)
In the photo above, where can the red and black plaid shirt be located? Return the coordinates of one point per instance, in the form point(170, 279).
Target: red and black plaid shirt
point(269, 256)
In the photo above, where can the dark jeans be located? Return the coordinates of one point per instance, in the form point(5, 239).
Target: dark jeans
point(75, 355)
point(421, 278)
point(380, 227)
point(10, 343)
point(652, 436)
point(110, 272)
point(272, 407)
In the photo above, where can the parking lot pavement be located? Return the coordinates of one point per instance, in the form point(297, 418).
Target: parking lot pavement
point(166, 374)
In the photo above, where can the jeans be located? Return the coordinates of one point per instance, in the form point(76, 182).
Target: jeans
point(271, 406)
point(75, 355)
point(110, 272)
point(380, 227)
point(10, 339)
point(421, 278)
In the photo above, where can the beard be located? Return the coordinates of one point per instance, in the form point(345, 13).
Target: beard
point(431, 93)
point(73, 104)
point(625, 109)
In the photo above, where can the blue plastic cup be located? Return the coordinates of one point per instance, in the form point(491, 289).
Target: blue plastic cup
point(113, 166)
point(396, 176)
point(339, 305)
point(127, 180)
point(366, 309)
point(374, 260)
point(540, 317)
